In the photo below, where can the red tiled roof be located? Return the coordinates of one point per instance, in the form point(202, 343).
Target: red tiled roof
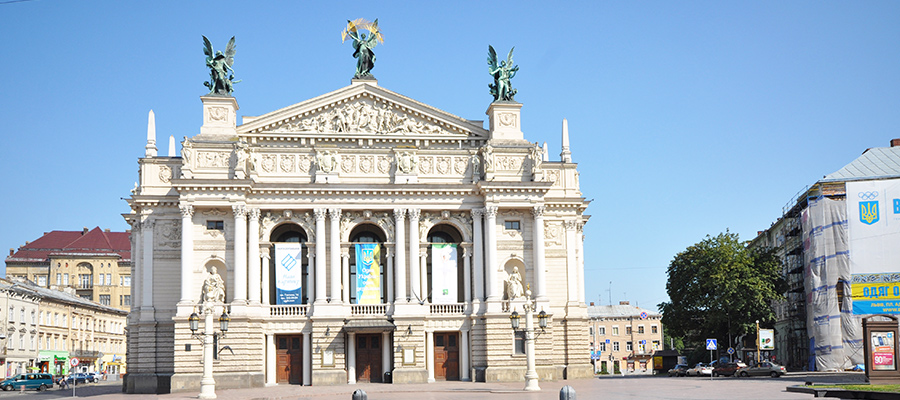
point(95, 241)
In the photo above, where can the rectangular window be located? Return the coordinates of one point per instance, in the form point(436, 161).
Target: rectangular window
point(640, 329)
point(653, 329)
point(109, 279)
point(102, 280)
point(33, 317)
point(126, 280)
point(104, 299)
point(615, 346)
point(627, 346)
point(602, 331)
point(215, 225)
point(42, 280)
point(628, 330)
point(519, 346)
point(86, 281)
point(656, 345)
point(602, 346)
point(59, 279)
point(511, 225)
point(615, 331)
point(12, 314)
point(591, 331)
point(126, 300)
point(65, 279)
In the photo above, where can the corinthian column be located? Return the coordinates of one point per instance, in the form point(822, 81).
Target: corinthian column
point(254, 272)
point(320, 254)
point(147, 277)
point(490, 233)
point(537, 240)
point(478, 256)
point(187, 252)
point(571, 262)
point(335, 256)
point(400, 256)
point(415, 285)
point(240, 252)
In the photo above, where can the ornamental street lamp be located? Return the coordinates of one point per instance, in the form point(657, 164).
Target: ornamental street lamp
point(531, 376)
point(207, 383)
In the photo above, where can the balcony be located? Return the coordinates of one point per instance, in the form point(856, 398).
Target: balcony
point(288, 310)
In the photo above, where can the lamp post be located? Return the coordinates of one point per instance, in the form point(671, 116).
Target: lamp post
point(207, 383)
point(531, 376)
point(757, 342)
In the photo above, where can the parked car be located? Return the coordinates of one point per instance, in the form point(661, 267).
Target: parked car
point(762, 369)
point(678, 370)
point(79, 377)
point(94, 376)
point(699, 370)
point(726, 369)
point(40, 382)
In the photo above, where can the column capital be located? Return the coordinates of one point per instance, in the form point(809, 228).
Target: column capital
point(254, 213)
point(335, 213)
point(538, 211)
point(414, 213)
point(187, 210)
point(320, 214)
point(239, 210)
point(490, 211)
point(399, 214)
point(570, 224)
point(148, 223)
point(478, 212)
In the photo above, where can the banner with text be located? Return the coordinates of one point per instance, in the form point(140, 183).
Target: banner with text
point(368, 273)
point(288, 273)
point(873, 215)
point(443, 273)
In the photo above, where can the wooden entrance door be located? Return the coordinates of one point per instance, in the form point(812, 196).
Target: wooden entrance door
point(289, 359)
point(446, 356)
point(368, 357)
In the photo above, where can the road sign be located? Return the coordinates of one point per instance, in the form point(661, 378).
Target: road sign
point(73, 362)
point(643, 315)
point(711, 344)
point(607, 341)
point(731, 350)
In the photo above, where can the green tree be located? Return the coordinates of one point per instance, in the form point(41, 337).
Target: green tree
point(719, 288)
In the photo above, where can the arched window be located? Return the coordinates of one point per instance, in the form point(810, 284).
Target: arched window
point(445, 275)
point(283, 235)
point(368, 282)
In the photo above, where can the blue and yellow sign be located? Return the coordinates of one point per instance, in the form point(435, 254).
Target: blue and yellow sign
point(368, 273)
point(868, 212)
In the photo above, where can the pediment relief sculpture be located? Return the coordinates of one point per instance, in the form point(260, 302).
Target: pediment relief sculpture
point(362, 117)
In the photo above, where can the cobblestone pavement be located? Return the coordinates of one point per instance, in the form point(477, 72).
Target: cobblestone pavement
point(629, 387)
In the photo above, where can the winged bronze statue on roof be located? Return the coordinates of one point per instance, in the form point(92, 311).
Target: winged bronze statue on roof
point(503, 72)
point(221, 74)
point(363, 45)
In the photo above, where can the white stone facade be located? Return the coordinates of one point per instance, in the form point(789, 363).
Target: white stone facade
point(359, 164)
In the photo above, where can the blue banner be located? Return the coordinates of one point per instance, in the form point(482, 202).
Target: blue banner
point(368, 273)
point(288, 273)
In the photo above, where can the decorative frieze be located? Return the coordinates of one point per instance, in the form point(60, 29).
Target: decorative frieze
point(362, 116)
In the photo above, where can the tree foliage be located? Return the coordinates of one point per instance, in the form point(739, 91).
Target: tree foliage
point(719, 287)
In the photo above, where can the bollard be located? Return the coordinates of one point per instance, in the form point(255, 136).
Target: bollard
point(567, 393)
point(359, 394)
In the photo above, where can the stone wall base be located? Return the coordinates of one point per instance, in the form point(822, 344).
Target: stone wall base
point(137, 383)
point(228, 380)
point(329, 377)
point(517, 374)
point(410, 375)
point(579, 371)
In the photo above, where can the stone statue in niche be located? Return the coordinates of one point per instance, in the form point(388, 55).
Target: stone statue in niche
point(214, 287)
point(514, 287)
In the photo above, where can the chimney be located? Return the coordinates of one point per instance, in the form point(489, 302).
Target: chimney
point(10, 253)
point(84, 231)
point(895, 142)
point(106, 230)
point(623, 302)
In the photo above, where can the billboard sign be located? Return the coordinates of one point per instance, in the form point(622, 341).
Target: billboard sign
point(873, 220)
point(288, 273)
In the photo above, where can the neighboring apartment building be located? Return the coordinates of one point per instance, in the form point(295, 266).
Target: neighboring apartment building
point(95, 263)
point(435, 214)
point(18, 339)
point(626, 337)
point(818, 325)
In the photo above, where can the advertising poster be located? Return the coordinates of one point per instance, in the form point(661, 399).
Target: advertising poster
point(443, 273)
point(368, 273)
point(288, 273)
point(873, 219)
point(767, 339)
point(883, 351)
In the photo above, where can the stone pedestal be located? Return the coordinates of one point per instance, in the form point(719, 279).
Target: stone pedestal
point(219, 116)
point(505, 120)
point(401, 177)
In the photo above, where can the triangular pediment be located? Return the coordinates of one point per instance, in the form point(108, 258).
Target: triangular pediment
point(363, 110)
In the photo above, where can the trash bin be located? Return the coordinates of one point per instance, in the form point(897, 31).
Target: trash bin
point(388, 378)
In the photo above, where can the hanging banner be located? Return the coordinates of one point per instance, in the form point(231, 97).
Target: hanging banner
point(368, 273)
point(443, 273)
point(288, 273)
point(767, 339)
point(873, 219)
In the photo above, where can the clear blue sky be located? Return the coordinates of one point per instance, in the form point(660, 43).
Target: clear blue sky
point(686, 118)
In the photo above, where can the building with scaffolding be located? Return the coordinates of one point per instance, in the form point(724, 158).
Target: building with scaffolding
point(816, 326)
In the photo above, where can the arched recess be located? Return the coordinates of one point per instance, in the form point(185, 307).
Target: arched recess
point(286, 234)
point(85, 277)
point(444, 264)
point(509, 267)
point(223, 271)
point(368, 241)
